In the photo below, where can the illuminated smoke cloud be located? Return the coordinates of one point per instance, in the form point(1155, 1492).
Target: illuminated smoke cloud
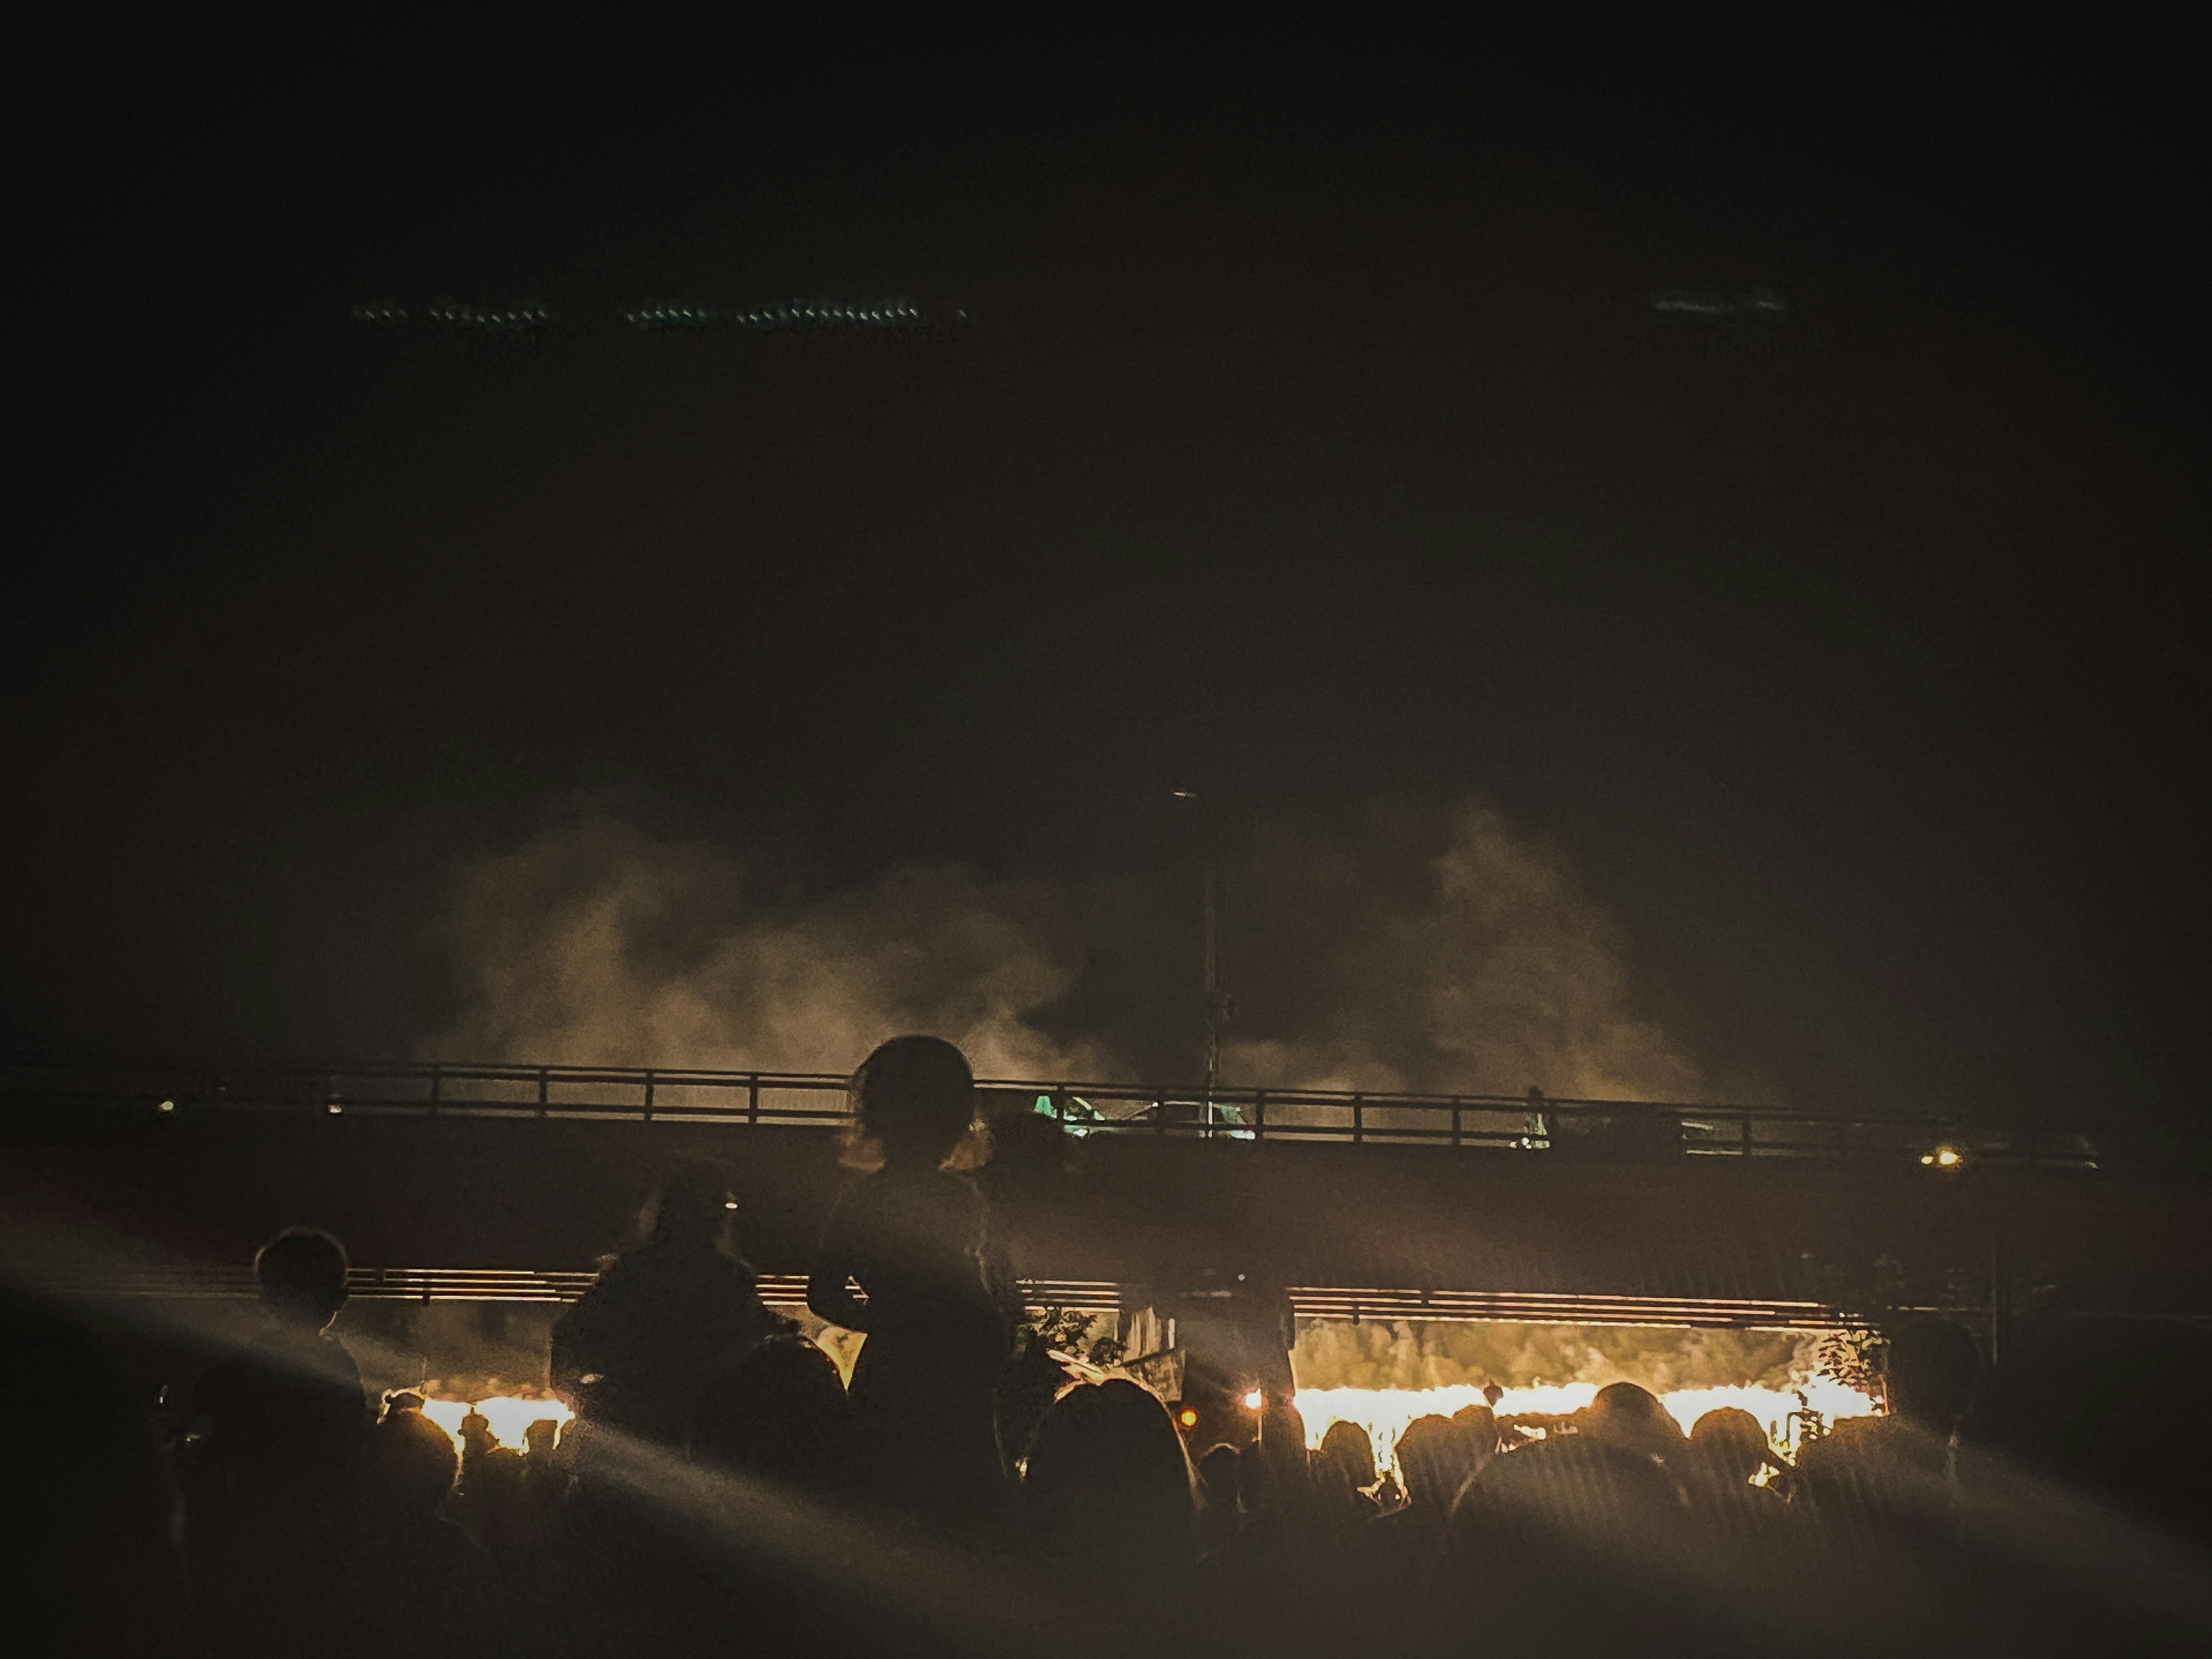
point(598, 944)
point(1441, 952)
point(1468, 962)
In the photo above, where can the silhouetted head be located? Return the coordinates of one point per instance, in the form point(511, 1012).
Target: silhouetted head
point(1273, 1471)
point(780, 1413)
point(1929, 1370)
point(1435, 1454)
point(916, 1097)
point(408, 1466)
point(1730, 1442)
point(1346, 1455)
point(1217, 1477)
point(302, 1276)
point(1491, 1393)
point(581, 1448)
point(1108, 1487)
point(692, 1204)
point(538, 1438)
point(1631, 1417)
point(1593, 1537)
point(477, 1438)
point(1478, 1426)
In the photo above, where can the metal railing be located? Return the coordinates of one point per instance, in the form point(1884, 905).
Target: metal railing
point(1608, 1130)
point(788, 1292)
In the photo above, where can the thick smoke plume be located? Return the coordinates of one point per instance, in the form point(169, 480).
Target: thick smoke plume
point(1437, 951)
point(597, 944)
point(1452, 956)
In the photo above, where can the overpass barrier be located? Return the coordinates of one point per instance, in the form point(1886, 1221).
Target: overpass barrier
point(1521, 1125)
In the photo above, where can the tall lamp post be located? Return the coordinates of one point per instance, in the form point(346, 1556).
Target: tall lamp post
point(1210, 924)
point(1212, 984)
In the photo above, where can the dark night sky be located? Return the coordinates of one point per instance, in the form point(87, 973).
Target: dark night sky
point(1313, 442)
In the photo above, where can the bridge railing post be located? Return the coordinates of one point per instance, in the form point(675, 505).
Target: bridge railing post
point(437, 1085)
point(1259, 1115)
point(1455, 1121)
point(752, 1098)
point(545, 1089)
point(1358, 1119)
point(648, 1095)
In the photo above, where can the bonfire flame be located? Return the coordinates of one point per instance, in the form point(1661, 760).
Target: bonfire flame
point(1384, 1413)
point(508, 1415)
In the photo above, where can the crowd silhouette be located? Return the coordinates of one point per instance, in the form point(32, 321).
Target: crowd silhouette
point(722, 1489)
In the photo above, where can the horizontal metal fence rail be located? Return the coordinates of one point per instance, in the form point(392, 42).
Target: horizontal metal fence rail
point(1560, 1308)
point(1610, 1130)
point(788, 1292)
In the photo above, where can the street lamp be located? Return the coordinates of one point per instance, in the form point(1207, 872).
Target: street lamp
point(1210, 921)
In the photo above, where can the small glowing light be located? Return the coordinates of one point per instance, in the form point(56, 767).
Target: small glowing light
point(1252, 1401)
point(1948, 1157)
point(166, 1107)
point(1927, 1157)
point(729, 1203)
point(1188, 1418)
point(334, 1108)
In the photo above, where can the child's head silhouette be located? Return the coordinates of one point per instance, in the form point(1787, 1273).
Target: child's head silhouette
point(914, 1098)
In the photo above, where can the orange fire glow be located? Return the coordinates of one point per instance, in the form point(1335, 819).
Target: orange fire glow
point(1384, 1413)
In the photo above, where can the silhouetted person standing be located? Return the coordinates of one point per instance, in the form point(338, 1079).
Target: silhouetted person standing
point(1396, 1551)
point(1630, 1416)
point(635, 1351)
point(1728, 1446)
point(1891, 1474)
point(911, 1237)
point(1342, 1470)
point(1218, 1515)
point(427, 1589)
point(1438, 1457)
point(1107, 1495)
point(1594, 1535)
point(782, 1414)
point(1478, 1425)
point(273, 1469)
